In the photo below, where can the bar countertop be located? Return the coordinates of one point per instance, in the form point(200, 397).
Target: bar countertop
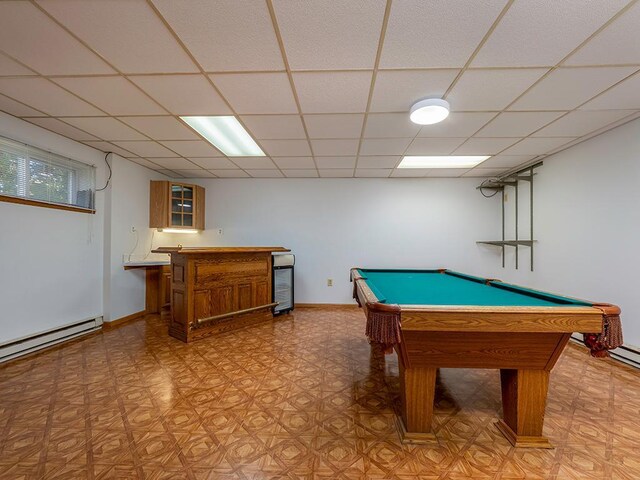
point(201, 250)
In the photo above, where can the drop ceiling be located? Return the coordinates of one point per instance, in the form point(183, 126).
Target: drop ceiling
point(325, 86)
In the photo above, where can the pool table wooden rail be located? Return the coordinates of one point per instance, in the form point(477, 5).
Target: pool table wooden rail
point(474, 318)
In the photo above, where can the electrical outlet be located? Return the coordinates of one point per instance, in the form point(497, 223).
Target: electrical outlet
point(329, 282)
point(220, 231)
point(133, 229)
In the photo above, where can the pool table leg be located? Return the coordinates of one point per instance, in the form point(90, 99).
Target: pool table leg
point(417, 389)
point(524, 397)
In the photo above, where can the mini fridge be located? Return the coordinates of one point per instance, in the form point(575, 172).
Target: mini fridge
point(283, 282)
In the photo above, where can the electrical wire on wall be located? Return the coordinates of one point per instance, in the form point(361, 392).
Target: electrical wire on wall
point(110, 172)
point(134, 230)
point(153, 234)
point(488, 180)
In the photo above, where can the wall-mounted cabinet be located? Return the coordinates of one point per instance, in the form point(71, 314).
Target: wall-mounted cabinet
point(176, 205)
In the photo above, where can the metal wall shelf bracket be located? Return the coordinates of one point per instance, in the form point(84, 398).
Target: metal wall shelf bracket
point(498, 185)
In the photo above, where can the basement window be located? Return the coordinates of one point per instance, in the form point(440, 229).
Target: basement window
point(32, 176)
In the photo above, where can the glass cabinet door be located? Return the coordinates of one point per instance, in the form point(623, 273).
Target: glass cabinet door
point(182, 205)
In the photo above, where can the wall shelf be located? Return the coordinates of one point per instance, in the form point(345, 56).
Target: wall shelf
point(498, 186)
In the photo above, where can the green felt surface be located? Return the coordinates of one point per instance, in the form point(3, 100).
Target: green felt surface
point(416, 287)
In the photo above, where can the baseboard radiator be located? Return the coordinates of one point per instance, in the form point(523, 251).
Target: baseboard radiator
point(38, 341)
point(626, 354)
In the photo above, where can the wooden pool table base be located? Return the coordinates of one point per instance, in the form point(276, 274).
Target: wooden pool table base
point(524, 390)
point(524, 394)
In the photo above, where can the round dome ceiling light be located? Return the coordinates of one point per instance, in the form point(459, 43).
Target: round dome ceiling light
point(429, 111)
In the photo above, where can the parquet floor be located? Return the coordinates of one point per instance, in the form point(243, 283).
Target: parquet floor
point(303, 397)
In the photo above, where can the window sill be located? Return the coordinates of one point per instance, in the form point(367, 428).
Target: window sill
point(37, 203)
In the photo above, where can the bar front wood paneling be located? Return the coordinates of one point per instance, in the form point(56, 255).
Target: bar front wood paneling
point(217, 289)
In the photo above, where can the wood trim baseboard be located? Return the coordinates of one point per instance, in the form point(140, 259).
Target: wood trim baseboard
point(123, 320)
point(340, 306)
point(36, 203)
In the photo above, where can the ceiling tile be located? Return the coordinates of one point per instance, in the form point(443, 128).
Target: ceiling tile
point(567, 88)
point(624, 95)
point(335, 147)
point(127, 33)
point(146, 149)
point(396, 91)
point(28, 35)
point(294, 162)
point(62, 128)
point(233, 36)
point(409, 172)
point(333, 92)
point(334, 126)
point(145, 163)
point(386, 125)
point(492, 90)
point(161, 128)
point(213, 163)
point(237, 173)
point(484, 146)
point(384, 146)
point(45, 96)
point(616, 44)
point(183, 94)
point(517, 124)
point(255, 163)
point(257, 92)
point(457, 124)
point(265, 173)
point(335, 162)
point(17, 109)
point(582, 122)
point(197, 173)
point(274, 127)
point(436, 34)
point(434, 146)
point(540, 33)
point(505, 161)
point(106, 128)
point(446, 172)
point(174, 163)
point(330, 35)
point(484, 172)
point(336, 173)
point(379, 161)
point(108, 147)
point(10, 67)
point(300, 173)
point(114, 95)
point(192, 148)
point(373, 172)
point(536, 146)
point(170, 173)
point(286, 148)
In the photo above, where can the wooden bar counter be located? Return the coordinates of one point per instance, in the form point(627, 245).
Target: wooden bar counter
point(217, 289)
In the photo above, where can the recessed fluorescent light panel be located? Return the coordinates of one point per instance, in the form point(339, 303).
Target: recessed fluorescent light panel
point(226, 134)
point(450, 161)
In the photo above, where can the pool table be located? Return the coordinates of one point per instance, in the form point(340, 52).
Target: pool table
point(441, 318)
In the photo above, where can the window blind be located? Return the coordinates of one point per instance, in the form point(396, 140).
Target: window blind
point(34, 174)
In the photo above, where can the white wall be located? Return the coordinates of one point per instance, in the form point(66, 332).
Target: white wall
point(50, 260)
point(587, 223)
point(335, 224)
point(127, 207)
